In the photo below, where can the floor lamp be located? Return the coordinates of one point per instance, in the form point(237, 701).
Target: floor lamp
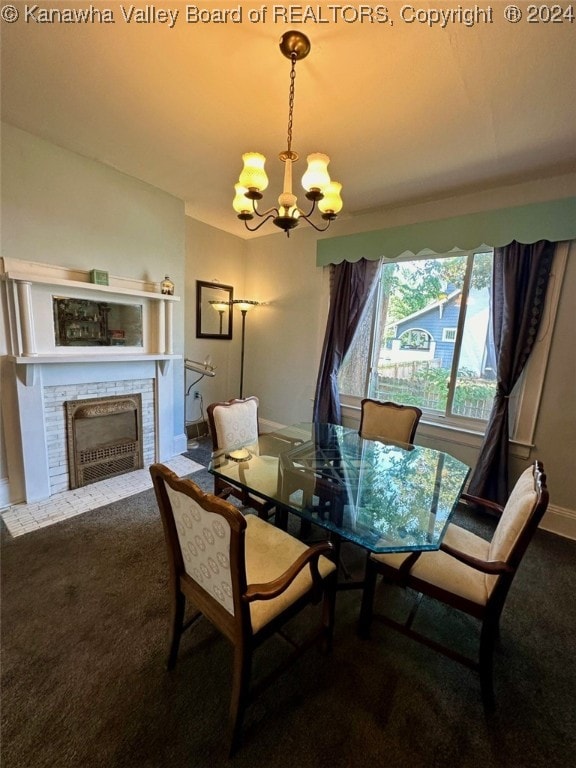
point(244, 306)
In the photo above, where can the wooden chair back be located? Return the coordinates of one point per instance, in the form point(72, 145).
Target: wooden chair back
point(234, 422)
point(205, 542)
point(520, 518)
point(388, 421)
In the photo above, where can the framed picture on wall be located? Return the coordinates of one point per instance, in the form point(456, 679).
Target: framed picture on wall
point(213, 310)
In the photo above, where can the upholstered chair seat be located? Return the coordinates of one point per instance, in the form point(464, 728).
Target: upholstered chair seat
point(270, 552)
point(443, 570)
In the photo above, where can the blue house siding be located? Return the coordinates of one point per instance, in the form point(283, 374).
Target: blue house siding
point(439, 316)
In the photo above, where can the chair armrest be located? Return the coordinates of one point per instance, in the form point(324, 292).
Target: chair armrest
point(494, 567)
point(486, 503)
point(272, 589)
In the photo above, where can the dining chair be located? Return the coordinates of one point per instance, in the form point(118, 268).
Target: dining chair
point(468, 573)
point(244, 575)
point(388, 421)
point(234, 423)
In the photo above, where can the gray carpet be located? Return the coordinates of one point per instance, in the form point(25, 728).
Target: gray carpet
point(84, 630)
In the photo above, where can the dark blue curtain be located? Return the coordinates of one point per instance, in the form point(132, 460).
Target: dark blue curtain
point(351, 285)
point(520, 279)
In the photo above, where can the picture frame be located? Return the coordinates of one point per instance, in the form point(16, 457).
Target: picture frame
point(213, 310)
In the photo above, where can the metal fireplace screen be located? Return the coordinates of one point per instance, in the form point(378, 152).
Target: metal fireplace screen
point(104, 437)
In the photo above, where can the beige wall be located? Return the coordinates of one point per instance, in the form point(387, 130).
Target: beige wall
point(555, 439)
point(213, 256)
point(286, 335)
point(61, 208)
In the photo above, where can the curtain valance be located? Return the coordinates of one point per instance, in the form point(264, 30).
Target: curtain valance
point(554, 220)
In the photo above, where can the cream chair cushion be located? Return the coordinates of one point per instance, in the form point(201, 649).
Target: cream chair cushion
point(444, 571)
point(514, 517)
point(269, 552)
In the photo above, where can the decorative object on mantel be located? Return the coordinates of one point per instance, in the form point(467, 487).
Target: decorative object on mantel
point(167, 286)
point(244, 305)
point(316, 181)
point(98, 277)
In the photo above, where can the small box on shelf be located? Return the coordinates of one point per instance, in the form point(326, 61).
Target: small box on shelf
point(98, 277)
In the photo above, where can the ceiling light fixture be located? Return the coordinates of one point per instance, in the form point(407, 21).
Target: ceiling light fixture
point(320, 190)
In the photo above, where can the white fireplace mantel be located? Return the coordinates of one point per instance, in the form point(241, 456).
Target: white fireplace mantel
point(34, 364)
point(30, 287)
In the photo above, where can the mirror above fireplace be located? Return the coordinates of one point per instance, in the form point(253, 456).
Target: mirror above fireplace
point(87, 323)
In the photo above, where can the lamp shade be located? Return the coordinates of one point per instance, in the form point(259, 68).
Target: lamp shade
point(331, 203)
point(316, 175)
point(219, 306)
point(244, 305)
point(241, 203)
point(253, 175)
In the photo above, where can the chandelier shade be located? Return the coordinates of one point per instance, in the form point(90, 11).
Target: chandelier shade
point(319, 189)
point(253, 176)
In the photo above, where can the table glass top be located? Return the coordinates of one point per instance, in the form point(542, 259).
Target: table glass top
point(384, 496)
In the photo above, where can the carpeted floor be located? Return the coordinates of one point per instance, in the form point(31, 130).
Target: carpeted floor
point(84, 629)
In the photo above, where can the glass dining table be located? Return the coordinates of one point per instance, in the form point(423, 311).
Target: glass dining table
point(380, 495)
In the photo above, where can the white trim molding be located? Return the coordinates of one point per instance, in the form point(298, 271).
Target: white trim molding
point(560, 521)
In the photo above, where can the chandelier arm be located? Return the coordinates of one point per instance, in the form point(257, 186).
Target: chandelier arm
point(310, 212)
point(264, 220)
point(316, 227)
point(270, 212)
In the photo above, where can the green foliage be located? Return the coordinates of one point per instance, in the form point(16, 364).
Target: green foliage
point(469, 387)
point(411, 286)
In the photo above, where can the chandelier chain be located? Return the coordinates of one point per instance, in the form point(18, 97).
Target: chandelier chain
point(291, 100)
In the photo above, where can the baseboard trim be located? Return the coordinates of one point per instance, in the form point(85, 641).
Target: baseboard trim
point(180, 444)
point(560, 521)
point(4, 493)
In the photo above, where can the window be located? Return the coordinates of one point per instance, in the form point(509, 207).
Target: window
point(415, 339)
point(426, 338)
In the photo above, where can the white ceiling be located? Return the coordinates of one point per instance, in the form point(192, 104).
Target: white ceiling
point(406, 112)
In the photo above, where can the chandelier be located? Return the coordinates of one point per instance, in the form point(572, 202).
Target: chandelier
point(320, 190)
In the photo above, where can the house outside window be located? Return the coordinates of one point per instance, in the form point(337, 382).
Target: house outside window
point(426, 338)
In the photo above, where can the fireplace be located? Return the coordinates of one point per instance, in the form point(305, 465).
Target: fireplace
point(104, 437)
point(52, 453)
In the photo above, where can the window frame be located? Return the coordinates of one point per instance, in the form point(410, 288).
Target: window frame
point(526, 397)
